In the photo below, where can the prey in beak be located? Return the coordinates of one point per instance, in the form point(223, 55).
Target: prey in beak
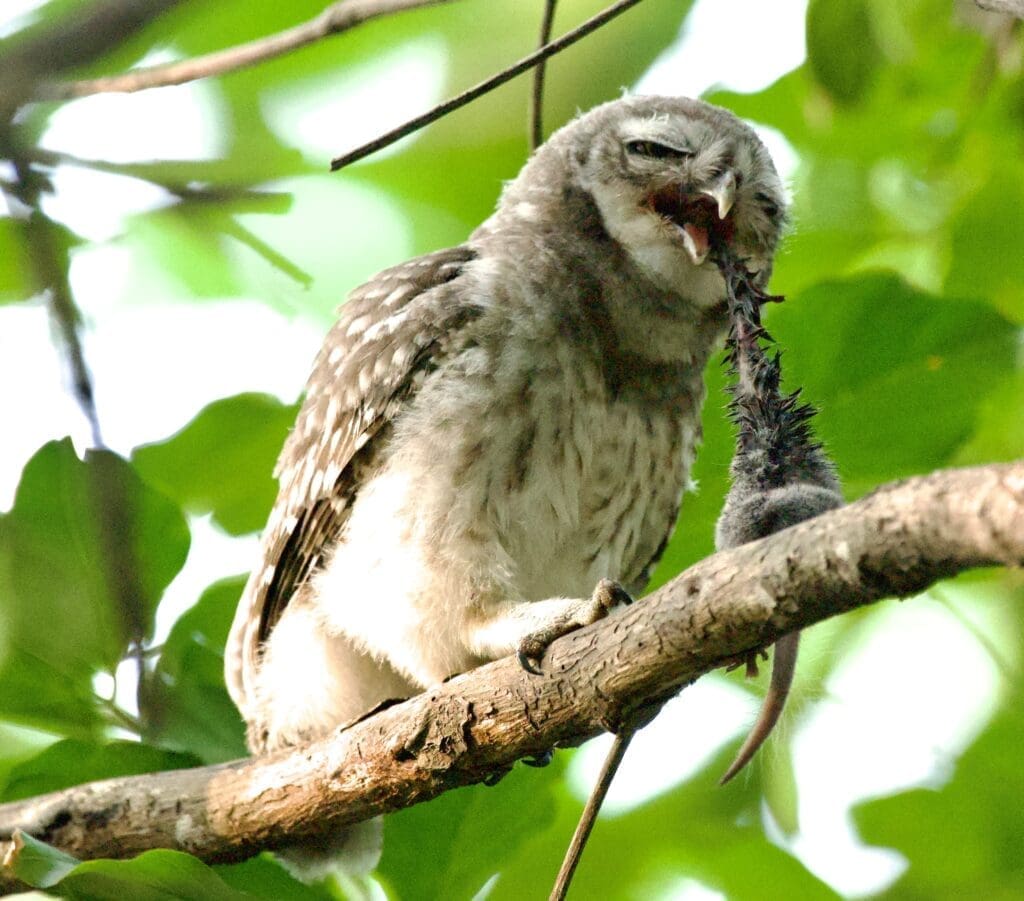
point(701, 217)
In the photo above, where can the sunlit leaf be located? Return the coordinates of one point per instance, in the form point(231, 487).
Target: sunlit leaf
point(221, 462)
point(61, 620)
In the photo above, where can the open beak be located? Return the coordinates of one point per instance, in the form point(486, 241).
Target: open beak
point(701, 218)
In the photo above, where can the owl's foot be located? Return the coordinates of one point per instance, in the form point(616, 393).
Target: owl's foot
point(749, 661)
point(542, 759)
point(575, 614)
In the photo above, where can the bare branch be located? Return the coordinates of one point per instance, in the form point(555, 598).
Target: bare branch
point(483, 87)
point(335, 19)
point(84, 34)
point(537, 98)
point(895, 542)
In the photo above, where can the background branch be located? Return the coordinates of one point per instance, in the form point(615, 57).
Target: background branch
point(895, 542)
point(483, 87)
point(87, 32)
point(335, 19)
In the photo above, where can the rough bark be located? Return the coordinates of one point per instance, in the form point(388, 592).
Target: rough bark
point(895, 542)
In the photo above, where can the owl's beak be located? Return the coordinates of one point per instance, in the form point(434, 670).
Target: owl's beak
point(723, 193)
point(701, 218)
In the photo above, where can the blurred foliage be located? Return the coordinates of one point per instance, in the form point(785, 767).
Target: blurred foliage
point(905, 284)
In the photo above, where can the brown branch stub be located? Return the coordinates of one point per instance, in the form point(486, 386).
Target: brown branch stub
point(896, 541)
point(335, 19)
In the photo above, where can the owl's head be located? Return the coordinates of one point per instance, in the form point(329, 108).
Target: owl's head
point(673, 177)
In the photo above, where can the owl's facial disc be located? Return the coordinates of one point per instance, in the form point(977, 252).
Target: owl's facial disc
point(702, 220)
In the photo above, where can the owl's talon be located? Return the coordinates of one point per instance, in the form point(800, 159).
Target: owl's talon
point(527, 663)
point(540, 760)
point(611, 594)
point(607, 594)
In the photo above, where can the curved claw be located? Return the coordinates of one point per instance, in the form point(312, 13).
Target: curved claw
point(542, 759)
point(527, 663)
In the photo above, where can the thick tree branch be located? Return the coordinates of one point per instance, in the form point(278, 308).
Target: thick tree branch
point(895, 542)
point(335, 19)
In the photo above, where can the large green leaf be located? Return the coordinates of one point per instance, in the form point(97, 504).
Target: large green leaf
point(153, 876)
point(72, 762)
point(451, 846)
point(221, 462)
point(899, 376)
point(184, 704)
point(87, 550)
point(37, 863)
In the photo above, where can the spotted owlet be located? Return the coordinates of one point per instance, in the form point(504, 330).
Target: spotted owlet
point(492, 430)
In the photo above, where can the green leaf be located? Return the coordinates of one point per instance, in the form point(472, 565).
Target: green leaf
point(184, 704)
point(696, 832)
point(152, 876)
point(17, 745)
point(450, 847)
point(184, 248)
point(15, 281)
point(37, 863)
point(999, 431)
point(73, 587)
point(263, 877)
point(898, 376)
point(841, 47)
point(221, 462)
point(73, 762)
point(961, 840)
point(987, 238)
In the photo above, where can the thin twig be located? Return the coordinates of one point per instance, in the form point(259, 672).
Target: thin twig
point(589, 816)
point(121, 717)
point(335, 19)
point(484, 87)
point(107, 492)
point(50, 265)
point(537, 98)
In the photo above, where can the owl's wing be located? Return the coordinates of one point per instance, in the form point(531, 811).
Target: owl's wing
point(392, 332)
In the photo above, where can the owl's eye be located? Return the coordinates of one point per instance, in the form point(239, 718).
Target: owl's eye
point(770, 207)
point(654, 150)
